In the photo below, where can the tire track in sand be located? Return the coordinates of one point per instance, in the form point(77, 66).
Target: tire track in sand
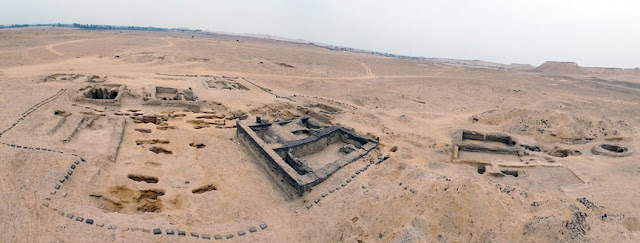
point(367, 70)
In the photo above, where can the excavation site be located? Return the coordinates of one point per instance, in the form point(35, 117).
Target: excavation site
point(177, 135)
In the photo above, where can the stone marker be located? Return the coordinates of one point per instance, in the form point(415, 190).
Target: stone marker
point(194, 234)
point(263, 226)
point(217, 237)
point(229, 236)
point(79, 219)
point(170, 232)
point(73, 166)
point(206, 237)
point(317, 200)
point(157, 231)
point(182, 233)
point(112, 227)
point(241, 233)
point(69, 215)
point(70, 172)
point(57, 186)
point(89, 221)
point(252, 229)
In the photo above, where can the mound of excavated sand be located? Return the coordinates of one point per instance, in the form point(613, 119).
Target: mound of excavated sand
point(555, 127)
point(564, 68)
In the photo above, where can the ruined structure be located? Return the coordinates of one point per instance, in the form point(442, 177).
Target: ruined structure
point(165, 93)
point(502, 155)
point(102, 94)
point(167, 96)
point(300, 152)
point(224, 82)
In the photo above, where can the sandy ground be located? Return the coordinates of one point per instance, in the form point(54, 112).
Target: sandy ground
point(420, 194)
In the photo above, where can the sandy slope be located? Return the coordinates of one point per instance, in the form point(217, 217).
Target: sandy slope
point(418, 195)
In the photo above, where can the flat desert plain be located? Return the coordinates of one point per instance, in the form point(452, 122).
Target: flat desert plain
point(132, 136)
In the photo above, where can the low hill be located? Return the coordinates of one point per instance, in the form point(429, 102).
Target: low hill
point(565, 68)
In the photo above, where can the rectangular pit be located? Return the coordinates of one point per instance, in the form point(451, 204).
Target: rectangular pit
point(103, 94)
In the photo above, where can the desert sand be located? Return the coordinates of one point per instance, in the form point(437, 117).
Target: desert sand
point(138, 163)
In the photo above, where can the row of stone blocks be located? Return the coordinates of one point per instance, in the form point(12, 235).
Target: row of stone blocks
point(348, 180)
point(170, 232)
point(252, 229)
point(36, 148)
point(69, 173)
point(34, 108)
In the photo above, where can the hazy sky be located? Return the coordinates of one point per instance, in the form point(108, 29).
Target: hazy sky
point(592, 33)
